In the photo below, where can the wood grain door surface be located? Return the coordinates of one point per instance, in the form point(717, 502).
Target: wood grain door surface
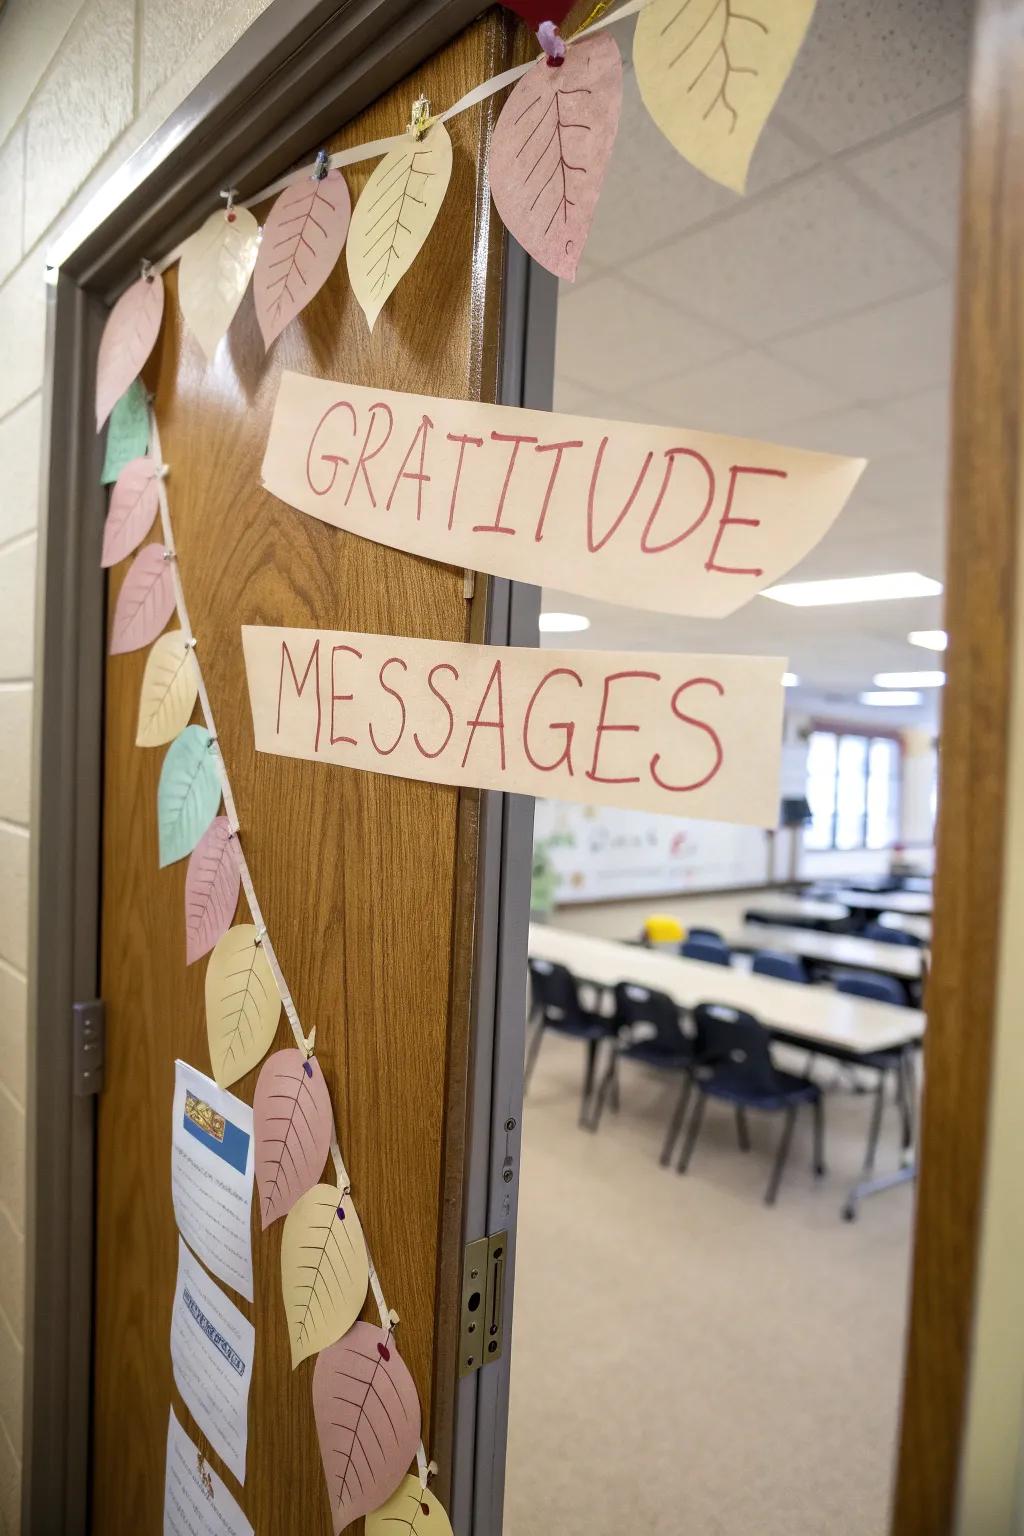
point(366, 881)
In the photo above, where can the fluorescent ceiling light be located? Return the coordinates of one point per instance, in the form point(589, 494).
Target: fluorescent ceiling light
point(891, 696)
point(854, 589)
point(790, 680)
point(563, 623)
point(928, 639)
point(909, 679)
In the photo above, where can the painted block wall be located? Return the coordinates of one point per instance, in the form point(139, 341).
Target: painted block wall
point(82, 84)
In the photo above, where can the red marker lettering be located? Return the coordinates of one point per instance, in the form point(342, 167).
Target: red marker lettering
point(602, 727)
point(442, 666)
point(694, 682)
point(341, 698)
point(557, 449)
point(671, 454)
point(314, 657)
point(568, 726)
point(462, 439)
point(641, 477)
point(334, 459)
point(421, 434)
point(515, 439)
point(391, 661)
point(366, 454)
point(494, 725)
point(741, 522)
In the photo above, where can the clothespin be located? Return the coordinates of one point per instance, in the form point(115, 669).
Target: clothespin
point(321, 165)
point(229, 195)
point(419, 122)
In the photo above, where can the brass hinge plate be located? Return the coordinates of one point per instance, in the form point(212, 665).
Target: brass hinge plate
point(482, 1332)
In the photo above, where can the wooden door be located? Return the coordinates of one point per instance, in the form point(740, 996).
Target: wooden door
point(367, 882)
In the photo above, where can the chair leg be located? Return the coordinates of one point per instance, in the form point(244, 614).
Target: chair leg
point(588, 1080)
point(781, 1156)
point(607, 1082)
point(742, 1131)
point(819, 1135)
point(690, 1140)
point(677, 1121)
point(876, 1124)
point(616, 1102)
point(531, 1054)
point(905, 1080)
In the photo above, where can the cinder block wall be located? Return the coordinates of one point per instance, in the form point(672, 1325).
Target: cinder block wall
point(82, 84)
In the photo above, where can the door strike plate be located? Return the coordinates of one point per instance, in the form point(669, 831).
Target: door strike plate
point(89, 1046)
point(482, 1331)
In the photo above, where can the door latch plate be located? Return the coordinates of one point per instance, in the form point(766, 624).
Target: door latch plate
point(482, 1331)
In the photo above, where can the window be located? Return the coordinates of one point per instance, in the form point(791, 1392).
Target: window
point(853, 789)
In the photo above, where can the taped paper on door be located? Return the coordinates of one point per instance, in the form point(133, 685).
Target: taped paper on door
point(212, 1347)
point(656, 517)
point(211, 1175)
point(692, 735)
point(196, 1500)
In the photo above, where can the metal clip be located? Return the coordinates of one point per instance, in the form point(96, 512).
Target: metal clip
point(419, 122)
point(321, 165)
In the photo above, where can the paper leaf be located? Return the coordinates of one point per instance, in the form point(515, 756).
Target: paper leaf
point(394, 216)
point(292, 1119)
point(211, 889)
point(127, 432)
point(188, 794)
point(134, 503)
point(710, 74)
point(367, 1420)
point(216, 264)
point(302, 240)
point(242, 1004)
point(324, 1269)
point(129, 336)
point(411, 1508)
point(144, 603)
point(551, 148)
point(169, 688)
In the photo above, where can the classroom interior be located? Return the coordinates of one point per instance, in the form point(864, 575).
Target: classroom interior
point(713, 1249)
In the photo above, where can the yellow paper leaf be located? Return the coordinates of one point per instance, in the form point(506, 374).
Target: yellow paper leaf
point(324, 1269)
point(216, 264)
point(412, 1509)
point(169, 688)
point(242, 1004)
point(710, 72)
point(395, 215)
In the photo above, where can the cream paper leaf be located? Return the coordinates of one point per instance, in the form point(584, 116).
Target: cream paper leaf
point(710, 72)
point(412, 1509)
point(242, 1004)
point(394, 216)
point(216, 264)
point(325, 1269)
point(169, 687)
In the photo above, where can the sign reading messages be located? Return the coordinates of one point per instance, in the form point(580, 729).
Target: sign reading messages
point(691, 735)
point(656, 517)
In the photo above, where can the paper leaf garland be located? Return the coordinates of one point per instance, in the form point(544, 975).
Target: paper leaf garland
point(144, 603)
point(128, 338)
point(412, 1509)
point(710, 73)
point(169, 688)
point(216, 264)
point(127, 432)
point(367, 1419)
point(324, 1269)
point(551, 148)
point(212, 881)
point(242, 1004)
point(302, 240)
point(394, 216)
point(188, 794)
point(292, 1121)
point(133, 506)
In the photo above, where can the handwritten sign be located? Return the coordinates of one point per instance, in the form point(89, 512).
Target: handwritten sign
point(691, 735)
point(672, 520)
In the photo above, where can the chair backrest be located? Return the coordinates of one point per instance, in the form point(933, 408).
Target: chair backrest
point(881, 989)
point(554, 989)
point(661, 929)
point(728, 1040)
point(637, 1007)
point(770, 962)
point(885, 935)
point(711, 950)
point(704, 933)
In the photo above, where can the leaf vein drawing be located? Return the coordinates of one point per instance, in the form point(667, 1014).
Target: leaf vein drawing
point(241, 1019)
point(302, 240)
point(324, 1269)
point(390, 233)
point(292, 1147)
point(411, 1508)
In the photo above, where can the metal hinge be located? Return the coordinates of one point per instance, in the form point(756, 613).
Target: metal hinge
point(89, 1026)
point(482, 1334)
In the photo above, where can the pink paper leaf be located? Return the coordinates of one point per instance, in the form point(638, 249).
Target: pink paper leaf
point(211, 889)
point(133, 506)
point(292, 1119)
point(302, 239)
point(145, 601)
point(367, 1419)
point(551, 148)
point(129, 336)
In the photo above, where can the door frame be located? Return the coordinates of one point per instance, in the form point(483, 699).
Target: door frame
point(302, 70)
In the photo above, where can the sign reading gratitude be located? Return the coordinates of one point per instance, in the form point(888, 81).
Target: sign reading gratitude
point(692, 735)
point(657, 517)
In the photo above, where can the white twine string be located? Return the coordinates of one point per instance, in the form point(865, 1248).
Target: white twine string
point(388, 1317)
point(377, 147)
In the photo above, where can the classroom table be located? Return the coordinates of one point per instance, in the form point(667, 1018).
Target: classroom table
point(847, 951)
point(909, 903)
point(802, 911)
point(811, 1016)
point(920, 927)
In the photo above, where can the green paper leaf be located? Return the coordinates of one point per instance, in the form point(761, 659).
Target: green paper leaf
point(189, 794)
point(127, 432)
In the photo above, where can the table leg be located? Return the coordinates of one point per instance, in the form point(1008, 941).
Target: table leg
point(908, 1171)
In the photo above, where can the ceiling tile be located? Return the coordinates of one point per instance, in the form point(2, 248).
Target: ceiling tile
point(803, 254)
point(860, 432)
point(612, 332)
point(917, 174)
point(749, 395)
point(925, 413)
point(912, 485)
point(577, 400)
point(891, 349)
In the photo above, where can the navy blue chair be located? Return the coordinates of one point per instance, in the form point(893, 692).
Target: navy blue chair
point(883, 935)
point(882, 989)
point(734, 1065)
point(556, 1005)
point(704, 933)
point(772, 962)
point(650, 1031)
point(713, 951)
